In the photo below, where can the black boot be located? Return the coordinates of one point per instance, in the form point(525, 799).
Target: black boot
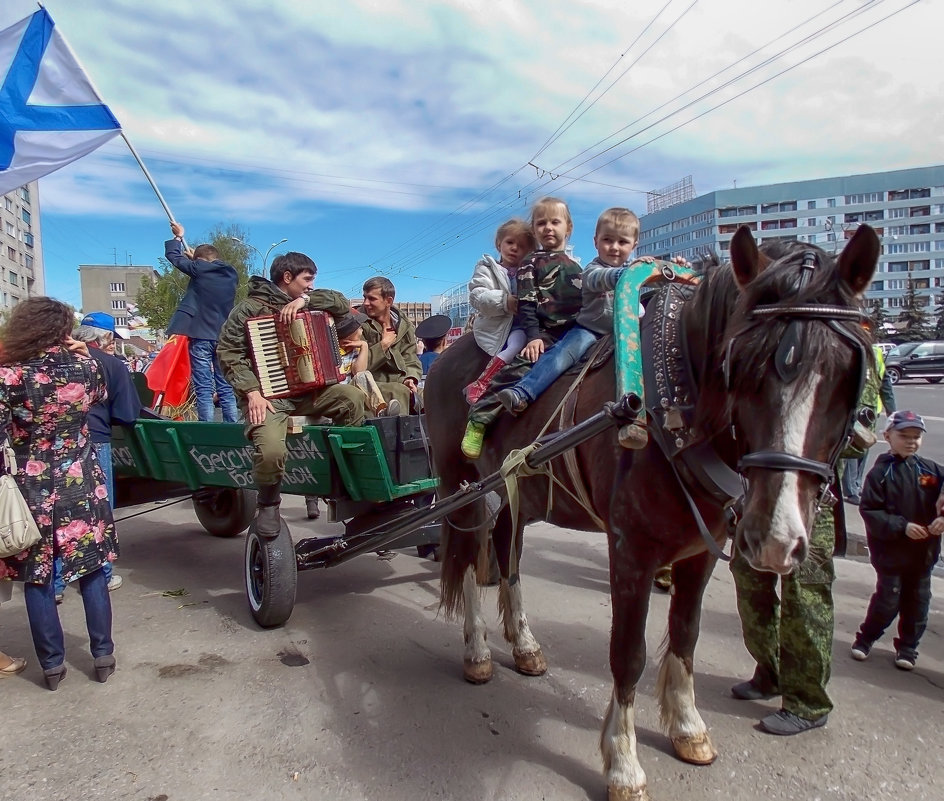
point(268, 521)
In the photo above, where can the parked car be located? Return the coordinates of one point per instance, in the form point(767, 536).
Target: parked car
point(916, 360)
point(886, 347)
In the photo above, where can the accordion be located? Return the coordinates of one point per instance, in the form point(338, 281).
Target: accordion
point(294, 358)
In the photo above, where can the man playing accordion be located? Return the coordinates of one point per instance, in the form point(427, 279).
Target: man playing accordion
point(288, 292)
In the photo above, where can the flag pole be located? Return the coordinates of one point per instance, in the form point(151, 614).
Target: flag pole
point(134, 152)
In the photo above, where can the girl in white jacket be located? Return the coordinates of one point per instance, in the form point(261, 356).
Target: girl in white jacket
point(492, 295)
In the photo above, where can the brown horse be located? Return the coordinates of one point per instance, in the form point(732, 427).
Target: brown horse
point(786, 410)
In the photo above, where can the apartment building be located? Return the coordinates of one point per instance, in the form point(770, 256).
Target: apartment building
point(905, 207)
point(111, 288)
point(21, 261)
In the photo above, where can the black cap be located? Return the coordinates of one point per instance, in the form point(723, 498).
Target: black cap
point(435, 327)
point(348, 324)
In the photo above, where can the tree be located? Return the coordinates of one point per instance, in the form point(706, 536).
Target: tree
point(939, 322)
point(913, 317)
point(878, 319)
point(157, 300)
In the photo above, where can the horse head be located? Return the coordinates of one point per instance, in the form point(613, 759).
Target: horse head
point(796, 355)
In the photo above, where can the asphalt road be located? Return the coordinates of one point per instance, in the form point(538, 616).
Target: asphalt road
point(360, 695)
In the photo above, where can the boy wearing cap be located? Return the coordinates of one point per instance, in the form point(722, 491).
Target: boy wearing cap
point(899, 506)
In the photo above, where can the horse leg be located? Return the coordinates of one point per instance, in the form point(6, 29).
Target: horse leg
point(477, 660)
point(529, 659)
point(631, 575)
point(676, 684)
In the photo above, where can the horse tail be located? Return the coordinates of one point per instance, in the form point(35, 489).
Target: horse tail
point(463, 544)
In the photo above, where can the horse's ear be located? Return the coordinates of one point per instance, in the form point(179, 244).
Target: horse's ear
point(859, 258)
point(746, 259)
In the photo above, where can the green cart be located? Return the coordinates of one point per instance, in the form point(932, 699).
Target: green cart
point(367, 475)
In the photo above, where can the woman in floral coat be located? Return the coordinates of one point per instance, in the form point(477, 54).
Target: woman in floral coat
point(47, 383)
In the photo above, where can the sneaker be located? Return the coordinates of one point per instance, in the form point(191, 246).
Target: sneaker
point(514, 401)
point(59, 598)
point(633, 436)
point(786, 723)
point(393, 408)
point(473, 440)
point(312, 510)
point(861, 650)
point(114, 583)
point(905, 660)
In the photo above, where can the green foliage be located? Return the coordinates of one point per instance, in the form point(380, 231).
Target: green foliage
point(878, 319)
point(939, 315)
point(157, 300)
point(913, 319)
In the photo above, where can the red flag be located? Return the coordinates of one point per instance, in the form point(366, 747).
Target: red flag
point(169, 373)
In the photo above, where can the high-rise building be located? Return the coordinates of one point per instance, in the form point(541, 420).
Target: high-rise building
point(21, 257)
point(905, 207)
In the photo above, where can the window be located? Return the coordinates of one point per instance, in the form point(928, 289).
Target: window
point(852, 218)
point(11, 231)
point(28, 260)
point(939, 244)
point(732, 212)
point(811, 204)
point(831, 202)
point(26, 216)
point(14, 279)
point(894, 284)
point(24, 194)
point(811, 221)
point(28, 240)
point(11, 253)
point(116, 287)
point(871, 216)
point(121, 321)
point(9, 204)
point(920, 211)
point(743, 210)
point(866, 197)
point(769, 208)
point(704, 217)
point(118, 304)
point(683, 223)
point(788, 205)
point(895, 214)
point(917, 230)
point(939, 228)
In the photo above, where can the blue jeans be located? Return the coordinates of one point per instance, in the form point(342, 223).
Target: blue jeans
point(207, 377)
point(46, 628)
point(555, 361)
point(103, 452)
point(853, 472)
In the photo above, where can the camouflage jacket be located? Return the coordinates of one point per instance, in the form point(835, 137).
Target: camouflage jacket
point(549, 293)
point(264, 298)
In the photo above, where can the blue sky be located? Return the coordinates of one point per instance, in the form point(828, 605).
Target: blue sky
point(388, 137)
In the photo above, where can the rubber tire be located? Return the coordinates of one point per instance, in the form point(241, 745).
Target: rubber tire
point(937, 380)
point(228, 513)
point(894, 374)
point(271, 576)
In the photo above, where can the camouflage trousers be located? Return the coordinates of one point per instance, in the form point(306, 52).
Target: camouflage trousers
point(343, 403)
point(791, 637)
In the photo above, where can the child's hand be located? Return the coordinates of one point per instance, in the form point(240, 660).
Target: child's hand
point(937, 527)
point(533, 350)
point(915, 532)
point(177, 229)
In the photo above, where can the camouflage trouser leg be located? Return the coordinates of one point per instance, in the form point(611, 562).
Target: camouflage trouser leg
point(791, 638)
point(487, 409)
point(343, 403)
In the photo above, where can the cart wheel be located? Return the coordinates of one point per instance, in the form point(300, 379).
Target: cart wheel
point(225, 511)
point(271, 576)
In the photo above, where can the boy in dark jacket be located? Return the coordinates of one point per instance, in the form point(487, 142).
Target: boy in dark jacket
point(899, 507)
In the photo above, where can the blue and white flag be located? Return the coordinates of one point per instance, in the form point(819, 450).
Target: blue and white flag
point(50, 115)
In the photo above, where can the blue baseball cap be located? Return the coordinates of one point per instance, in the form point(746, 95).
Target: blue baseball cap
point(101, 320)
point(904, 419)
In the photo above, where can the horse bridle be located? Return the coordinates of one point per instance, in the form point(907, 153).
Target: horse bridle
point(787, 360)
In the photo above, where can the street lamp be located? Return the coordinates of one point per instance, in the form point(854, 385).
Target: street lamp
point(265, 258)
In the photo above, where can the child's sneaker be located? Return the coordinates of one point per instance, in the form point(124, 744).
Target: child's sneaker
point(473, 440)
point(513, 400)
point(905, 660)
point(861, 650)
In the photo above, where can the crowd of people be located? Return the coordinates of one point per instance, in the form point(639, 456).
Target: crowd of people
point(537, 313)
